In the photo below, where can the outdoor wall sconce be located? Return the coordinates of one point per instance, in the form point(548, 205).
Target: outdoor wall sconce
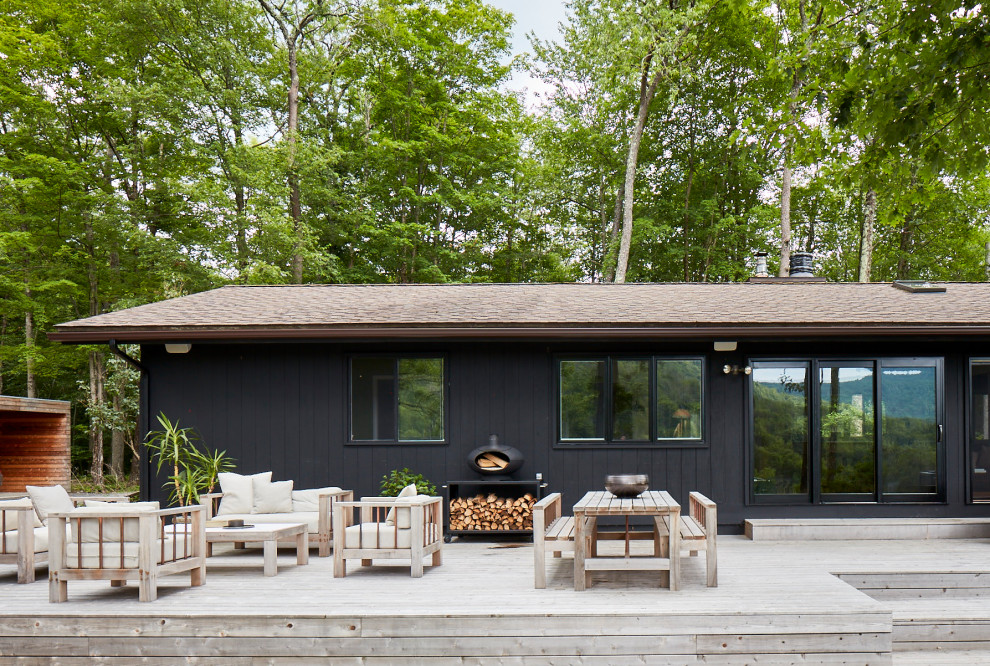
point(177, 348)
point(736, 369)
point(726, 345)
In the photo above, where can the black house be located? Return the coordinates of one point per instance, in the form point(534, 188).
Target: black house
point(775, 398)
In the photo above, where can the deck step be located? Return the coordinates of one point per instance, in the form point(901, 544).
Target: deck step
point(831, 529)
point(953, 658)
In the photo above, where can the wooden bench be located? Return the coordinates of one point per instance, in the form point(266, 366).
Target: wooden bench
point(551, 531)
point(698, 531)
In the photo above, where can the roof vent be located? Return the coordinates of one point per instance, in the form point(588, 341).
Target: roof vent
point(918, 286)
point(761, 265)
point(802, 264)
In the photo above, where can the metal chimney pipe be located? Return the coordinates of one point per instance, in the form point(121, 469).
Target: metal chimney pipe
point(761, 265)
point(802, 264)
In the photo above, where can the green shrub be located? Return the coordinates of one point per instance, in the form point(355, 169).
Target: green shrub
point(397, 479)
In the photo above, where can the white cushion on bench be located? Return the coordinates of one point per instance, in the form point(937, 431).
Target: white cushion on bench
point(40, 540)
point(111, 553)
point(309, 500)
point(383, 536)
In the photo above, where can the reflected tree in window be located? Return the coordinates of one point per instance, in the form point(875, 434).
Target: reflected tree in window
point(780, 430)
point(679, 398)
point(631, 400)
point(421, 399)
point(582, 399)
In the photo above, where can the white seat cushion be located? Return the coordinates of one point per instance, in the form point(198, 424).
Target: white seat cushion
point(111, 554)
point(310, 518)
point(384, 536)
point(40, 540)
point(86, 521)
point(238, 492)
point(309, 500)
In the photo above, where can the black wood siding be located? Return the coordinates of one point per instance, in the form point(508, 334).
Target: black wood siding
point(284, 407)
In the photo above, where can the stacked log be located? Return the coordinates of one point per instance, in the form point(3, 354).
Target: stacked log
point(492, 513)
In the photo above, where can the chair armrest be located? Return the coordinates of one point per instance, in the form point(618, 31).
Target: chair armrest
point(211, 501)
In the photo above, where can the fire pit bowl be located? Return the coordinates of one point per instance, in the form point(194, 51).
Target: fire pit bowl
point(627, 485)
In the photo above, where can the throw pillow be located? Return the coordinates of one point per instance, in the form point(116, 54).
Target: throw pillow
point(272, 497)
point(49, 499)
point(408, 491)
point(238, 492)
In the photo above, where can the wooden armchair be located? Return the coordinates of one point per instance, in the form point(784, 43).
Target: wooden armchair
point(23, 538)
point(120, 543)
point(405, 528)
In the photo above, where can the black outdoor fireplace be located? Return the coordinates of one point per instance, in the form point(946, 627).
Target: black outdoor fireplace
point(495, 459)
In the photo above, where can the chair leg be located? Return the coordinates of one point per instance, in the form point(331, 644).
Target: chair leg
point(339, 565)
point(437, 558)
point(148, 587)
point(417, 566)
point(117, 583)
point(58, 590)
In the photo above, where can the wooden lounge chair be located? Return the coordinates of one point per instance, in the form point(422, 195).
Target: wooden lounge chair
point(404, 528)
point(124, 542)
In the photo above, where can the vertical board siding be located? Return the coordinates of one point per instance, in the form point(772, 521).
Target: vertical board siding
point(284, 407)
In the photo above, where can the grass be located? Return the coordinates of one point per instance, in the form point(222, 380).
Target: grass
point(84, 484)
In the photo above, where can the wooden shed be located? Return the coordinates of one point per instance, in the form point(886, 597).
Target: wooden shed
point(34, 443)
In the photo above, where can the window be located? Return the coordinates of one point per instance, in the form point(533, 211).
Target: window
point(397, 399)
point(846, 431)
point(634, 400)
point(979, 430)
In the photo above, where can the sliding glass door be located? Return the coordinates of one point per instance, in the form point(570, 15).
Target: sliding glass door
point(865, 430)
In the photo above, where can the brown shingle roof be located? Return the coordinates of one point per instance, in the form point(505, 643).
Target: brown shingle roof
point(523, 310)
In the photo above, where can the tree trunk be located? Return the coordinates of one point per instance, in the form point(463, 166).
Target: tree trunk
point(687, 207)
point(785, 220)
point(117, 438)
point(608, 274)
point(3, 336)
point(32, 391)
point(295, 199)
point(907, 234)
point(647, 90)
point(96, 375)
point(866, 243)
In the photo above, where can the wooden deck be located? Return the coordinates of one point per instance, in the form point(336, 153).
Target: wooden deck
point(776, 603)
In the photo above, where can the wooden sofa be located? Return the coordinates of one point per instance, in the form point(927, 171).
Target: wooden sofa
point(120, 543)
point(313, 507)
point(404, 528)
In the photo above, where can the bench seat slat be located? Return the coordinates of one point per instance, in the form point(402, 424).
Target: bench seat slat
point(561, 529)
point(691, 528)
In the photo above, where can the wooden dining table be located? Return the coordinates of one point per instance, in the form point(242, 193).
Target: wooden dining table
point(657, 505)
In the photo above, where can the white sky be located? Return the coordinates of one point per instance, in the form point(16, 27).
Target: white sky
point(540, 17)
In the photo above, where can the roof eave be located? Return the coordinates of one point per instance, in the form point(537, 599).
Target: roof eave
point(135, 335)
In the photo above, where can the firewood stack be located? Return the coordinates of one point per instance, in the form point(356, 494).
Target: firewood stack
point(491, 512)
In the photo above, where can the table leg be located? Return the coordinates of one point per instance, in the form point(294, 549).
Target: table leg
point(302, 548)
point(271, 557)
point(579, 551)
point(675, 549)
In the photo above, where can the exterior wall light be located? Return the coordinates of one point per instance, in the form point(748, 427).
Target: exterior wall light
point(177, 347)
point(726, 345)
point(737, 369)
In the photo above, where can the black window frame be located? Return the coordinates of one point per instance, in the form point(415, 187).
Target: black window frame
point(815, 497)
point(396, 357)
point(608, 442)
point(968, 430)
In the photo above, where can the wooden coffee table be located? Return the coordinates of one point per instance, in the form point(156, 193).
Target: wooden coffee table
point(269, 534)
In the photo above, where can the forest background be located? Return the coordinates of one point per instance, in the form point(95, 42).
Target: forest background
point(155, 148)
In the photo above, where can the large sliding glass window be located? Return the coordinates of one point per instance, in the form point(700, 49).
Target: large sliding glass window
point(630, 399)
point(848, 445)
point(979, 430)
point(397, 399)
point(827, 441)
point(780, 429)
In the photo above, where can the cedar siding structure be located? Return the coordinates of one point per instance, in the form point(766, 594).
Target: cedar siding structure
point(34, 443)
point(774, 398)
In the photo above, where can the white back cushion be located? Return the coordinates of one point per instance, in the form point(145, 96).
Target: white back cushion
point(48, 499)
point(272, 496)
point(87, 530)
point(309, 500)
point(238, 491)
point(11, 516)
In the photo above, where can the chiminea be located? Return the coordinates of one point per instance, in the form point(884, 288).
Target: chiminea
point(495, 459)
